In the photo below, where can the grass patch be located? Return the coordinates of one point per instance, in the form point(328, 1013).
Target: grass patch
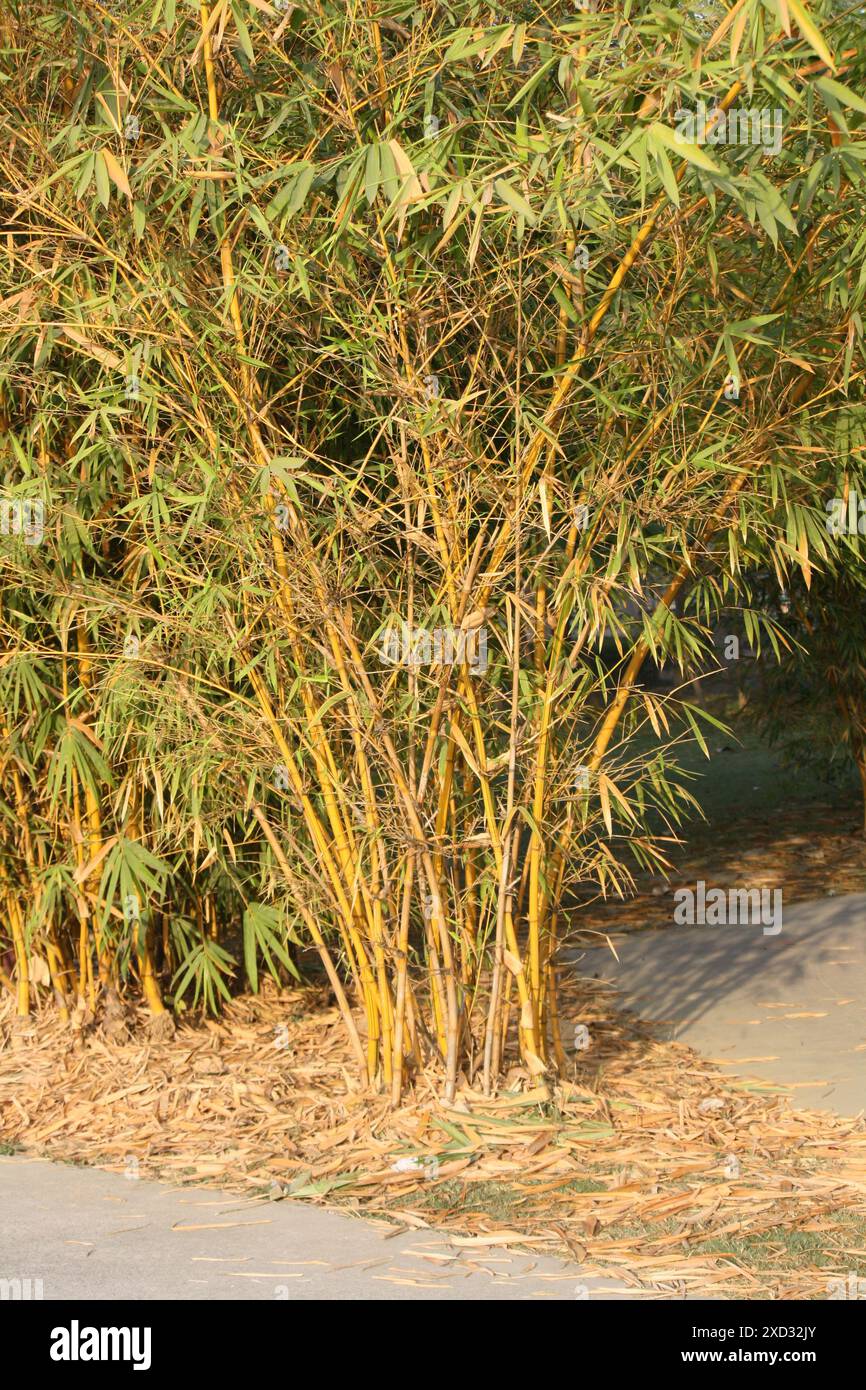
point(782, 1248)
point(788, 1248)
point(490, 1198)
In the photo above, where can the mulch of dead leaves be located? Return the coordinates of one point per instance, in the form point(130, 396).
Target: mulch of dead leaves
point(267, 1101)
point(808, 853)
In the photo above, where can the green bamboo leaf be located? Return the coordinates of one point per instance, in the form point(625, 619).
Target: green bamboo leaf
point(301, 189)
point(293, 193)
point(843, 95)
point(810, 31)
point(465, 45)
point(515, 201)
point(565, 303)
point(695, 154)
point(668, 176)
point(371, 174)
point(243, 31)
point(260, 221)
point(85, 176)
point(103, 182)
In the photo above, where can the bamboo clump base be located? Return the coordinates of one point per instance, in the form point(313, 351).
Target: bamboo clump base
point(269, 1095)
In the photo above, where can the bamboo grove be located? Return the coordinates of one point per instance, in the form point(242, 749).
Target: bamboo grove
point(386, 389)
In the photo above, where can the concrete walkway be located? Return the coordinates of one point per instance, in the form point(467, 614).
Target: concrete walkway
point(88, 1234)
point(789, 1009)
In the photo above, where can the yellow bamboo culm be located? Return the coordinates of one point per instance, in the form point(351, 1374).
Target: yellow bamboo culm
point(22, 968)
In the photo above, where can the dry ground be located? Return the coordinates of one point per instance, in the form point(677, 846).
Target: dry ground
point(649, 1164)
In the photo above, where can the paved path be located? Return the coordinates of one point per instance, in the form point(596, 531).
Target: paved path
point(88, 1234)
point(788, 1009)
